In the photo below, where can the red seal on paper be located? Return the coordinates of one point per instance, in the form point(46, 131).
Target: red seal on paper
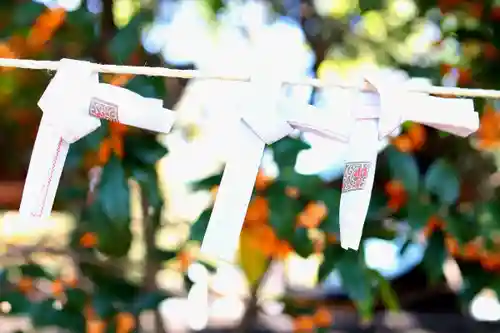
point(103, 110)
point(355, 174)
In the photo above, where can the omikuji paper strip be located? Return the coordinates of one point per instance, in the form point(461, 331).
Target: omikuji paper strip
point(72, 104)
point(260, 125)
point(374, 118)
point(359, 172)
point(64, 95)
point(235, 190)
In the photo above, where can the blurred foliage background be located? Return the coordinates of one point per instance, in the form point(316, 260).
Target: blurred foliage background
point(132, 207)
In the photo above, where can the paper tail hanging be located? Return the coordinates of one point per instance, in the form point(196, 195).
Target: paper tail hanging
point(72, 106)
point(367, 118)
point(259, 126)
point(376, 117)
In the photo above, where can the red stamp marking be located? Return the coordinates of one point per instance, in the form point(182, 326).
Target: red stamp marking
point(355, 175)
point(103, 110)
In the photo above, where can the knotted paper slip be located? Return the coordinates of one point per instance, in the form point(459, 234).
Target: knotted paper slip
point(267, 120)
point(367, 118)
point(375, 116)
point(72, 106)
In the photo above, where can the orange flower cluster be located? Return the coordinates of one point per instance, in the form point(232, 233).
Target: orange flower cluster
point(322, 318)
point(475, 251)
point(88, 240)
point(264, 240)
point(434, 223)
point(44, 28)
point(256, 221)
point(28, 286)
point(488, 135)
point(313, 215)
point(185, 258)
point(412, 140)
point(6, 52)
point(114, 142)
point(396, 194)
point(472, 251)
point(125, 322)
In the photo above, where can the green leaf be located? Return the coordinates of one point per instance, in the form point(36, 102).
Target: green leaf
point(34, 271)
point(19, 304)
point(26, 13)
point(4, 278)
point(331, 198)
point(147, 178)
point(366, 5)
point(377, 229)
point(461, 228)
point(127, 40)
point(419, 213)
point(164, 255)
point(283, 211)
point(143, 149)
point(354, 275)
point(112, 239)
point(114, 193)
point(404, 168)
point(442, 180)
point(45, 314)
point(387, 294)
point(475, 280)
point(209, 264)
point(110, 286)
point(331, 256)
point(200, 226)
point(143, 86)
point(76, 299)
point(435, 256)
point(207, 183)
point(302, 244)
point(148, 301)
point(308, 185)
point(286, 150)
point(102, 303)
point(377, 206)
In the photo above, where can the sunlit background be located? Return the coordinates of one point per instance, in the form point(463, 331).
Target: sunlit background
point(184, 33)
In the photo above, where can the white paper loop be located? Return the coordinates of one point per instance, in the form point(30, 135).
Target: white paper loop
point(376, 115)
point(453, 115)
point(72, 105)
point(65, 119)
point(392, 99)
point(260, 124)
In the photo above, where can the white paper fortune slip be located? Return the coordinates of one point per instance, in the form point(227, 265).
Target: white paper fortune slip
point(259, 125)
point(375, 116)
point(72, 105)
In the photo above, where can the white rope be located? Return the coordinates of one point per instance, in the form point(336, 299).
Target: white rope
point(196, 74)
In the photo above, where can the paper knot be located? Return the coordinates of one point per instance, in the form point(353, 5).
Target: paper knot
point(262, 114)
point(393, 98)
point(65, 101)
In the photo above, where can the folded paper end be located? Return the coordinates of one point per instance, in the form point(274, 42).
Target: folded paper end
point(453, 115)
point(350, 241)
point(351, 230)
